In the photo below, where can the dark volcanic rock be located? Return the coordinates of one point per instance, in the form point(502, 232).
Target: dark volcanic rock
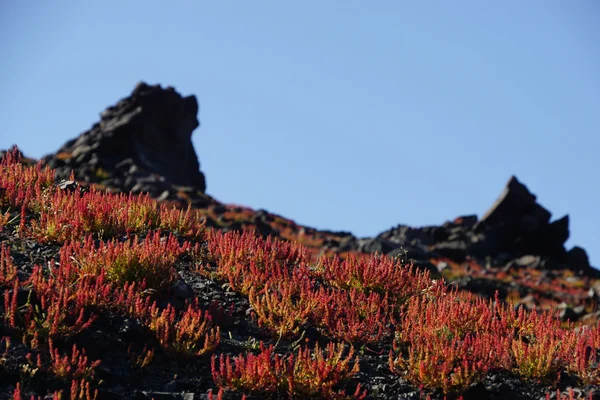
point(518, 225)
point(515, 228)
point(514, 202)
point(578, 261)
point(141, 144)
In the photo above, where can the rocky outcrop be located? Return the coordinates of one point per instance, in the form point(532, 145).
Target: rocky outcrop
point(515, 229)
point(521, 226)
point(141, 144)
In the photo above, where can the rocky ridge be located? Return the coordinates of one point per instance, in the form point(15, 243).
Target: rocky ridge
point(516, 230)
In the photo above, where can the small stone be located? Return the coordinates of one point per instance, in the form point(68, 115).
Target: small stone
point(182, 289)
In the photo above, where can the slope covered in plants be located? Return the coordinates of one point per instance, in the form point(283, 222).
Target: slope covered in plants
point(118, 296)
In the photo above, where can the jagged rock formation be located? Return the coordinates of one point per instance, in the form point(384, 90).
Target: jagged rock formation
point(514, 227)
point(141, 144)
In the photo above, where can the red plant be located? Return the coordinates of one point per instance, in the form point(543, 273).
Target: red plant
point(241, 256)
point(250, 373)
point(586, 361)
point(22, 186)
point(318, 373)
point(81, 390)
point(192, 334)
point(378, 273)
point(283, 307)
point(60, 216)
point(4, 220)
point(75, 367)
point(352, 316)
point(447, 340)
point(188, 223)
point(131, 261)
point(542, 356)
point(451, 365)
point(306, 375)
point(142, 359)
point(60, 312)
point(8, 271)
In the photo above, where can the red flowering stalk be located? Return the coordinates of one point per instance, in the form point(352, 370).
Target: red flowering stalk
point(192, 334)
point(305, 375)
point(75, 367)
point(283, 307)
point(219, 396)
point(61, 312)
point(188, 223)
point(586, 360)
point(10, 305)
point(231, 250)
point(130, 300)
point(447, 313)
point(81, 390)
point(378, 273)
point(316, 375)
point(352, 316)
point(543, 356)
point(142, 359)
point(22, 185)
point(8, 271)
point(4, 219)
point(17, 393)
point(449, 364)
point(247, 261)
point(131, 261)
point(250, 373)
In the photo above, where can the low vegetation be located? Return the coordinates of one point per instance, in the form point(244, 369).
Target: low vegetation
point(119, 258)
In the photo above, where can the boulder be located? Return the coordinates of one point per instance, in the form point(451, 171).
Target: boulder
point(578, 261)
point(518, 225)
point(512, 205)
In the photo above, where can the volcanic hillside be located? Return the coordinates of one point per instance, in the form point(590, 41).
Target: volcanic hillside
point(122, 278)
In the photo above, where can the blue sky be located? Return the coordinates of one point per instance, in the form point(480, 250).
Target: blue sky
point(342, 115)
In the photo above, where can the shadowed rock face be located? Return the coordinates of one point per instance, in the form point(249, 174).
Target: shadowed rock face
point(524, 224)
point(144, 138)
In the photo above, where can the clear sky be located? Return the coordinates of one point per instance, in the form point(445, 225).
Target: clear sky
point(342, 115)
